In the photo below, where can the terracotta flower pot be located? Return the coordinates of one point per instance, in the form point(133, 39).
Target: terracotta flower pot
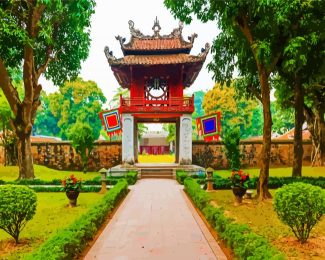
point(239, 192)
point(72, 196)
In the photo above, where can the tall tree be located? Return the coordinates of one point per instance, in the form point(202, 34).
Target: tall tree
point(39, 36)
point(254, 37)
point(75, 101)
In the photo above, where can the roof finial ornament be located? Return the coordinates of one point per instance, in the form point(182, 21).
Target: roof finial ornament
point(156, 28)
point(205, 50)
point(134, 32)
point(109, 55)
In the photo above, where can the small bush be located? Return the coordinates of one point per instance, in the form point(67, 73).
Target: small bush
point(300, 206)
point(17, 207)
point(231, 140)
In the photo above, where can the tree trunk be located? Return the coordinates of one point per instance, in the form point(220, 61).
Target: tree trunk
point(25, 157)
point(262, 189)
point(316, 127)
point(299, 120)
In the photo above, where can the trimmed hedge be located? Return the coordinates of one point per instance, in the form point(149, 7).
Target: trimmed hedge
point(244, 243)
point(59, 189)
point(71, 241)
point(131, 178)
point(182, 175)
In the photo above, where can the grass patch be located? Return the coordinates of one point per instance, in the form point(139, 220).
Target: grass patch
point(279, 172)
point(165, 158)
point(51, 215)
point(11, 173)
point(263, 220)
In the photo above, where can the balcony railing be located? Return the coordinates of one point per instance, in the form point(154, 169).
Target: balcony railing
point(173, 104)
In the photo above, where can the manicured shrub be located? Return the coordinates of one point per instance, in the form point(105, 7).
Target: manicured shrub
point(231, 139)
point(300, 206)
point(132, 177)
point(181, 176)
point(69, 242)
point(245, 243)
point(17, 207)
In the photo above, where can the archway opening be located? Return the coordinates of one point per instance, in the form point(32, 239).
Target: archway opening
point(156, 143)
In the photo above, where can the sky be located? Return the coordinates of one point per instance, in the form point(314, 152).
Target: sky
point(111, 19)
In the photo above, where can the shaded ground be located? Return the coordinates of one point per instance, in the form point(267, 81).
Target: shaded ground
point(52, 214)
point(264, 221)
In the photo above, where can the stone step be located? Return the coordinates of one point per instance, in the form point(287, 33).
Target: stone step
point(156, 176)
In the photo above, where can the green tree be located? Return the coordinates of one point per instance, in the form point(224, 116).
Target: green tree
point(37, 37)
point(82, 138)
point(45, 122)
point(283, 117)
point(255, 37)
point(75, 101)
point(236, 111)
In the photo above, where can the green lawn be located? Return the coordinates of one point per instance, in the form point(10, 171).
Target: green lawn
point(279, 172)
point(52, 214)
point(264, 221)
point(10, 173)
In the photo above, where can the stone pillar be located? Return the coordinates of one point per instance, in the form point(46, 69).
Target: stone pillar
point(185, 139)
point(127, 139)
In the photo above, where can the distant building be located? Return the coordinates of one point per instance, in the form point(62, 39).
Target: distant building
point(154, 143)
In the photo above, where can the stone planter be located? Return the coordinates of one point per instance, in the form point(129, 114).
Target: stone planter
point(72, 196)
point(239, 192)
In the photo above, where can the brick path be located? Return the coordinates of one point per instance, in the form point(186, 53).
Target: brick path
point(155, 221)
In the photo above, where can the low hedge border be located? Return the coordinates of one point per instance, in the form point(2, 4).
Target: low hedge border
point(244, 243)
point(69, 242)
point(60, 189)
point(131, 178)
point(274, 182)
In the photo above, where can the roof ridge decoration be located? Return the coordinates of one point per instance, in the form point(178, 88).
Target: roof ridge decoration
point(109, 55)
point(136, 33)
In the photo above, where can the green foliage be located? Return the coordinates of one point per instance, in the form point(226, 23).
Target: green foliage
point(83, 139)
point(236, 110)
point(230, 139)
point(131, 177)
point(245, 243)
point(46, 123)
point(69, 242)
point(76, 101)
point(17, 207)
point(300, 206)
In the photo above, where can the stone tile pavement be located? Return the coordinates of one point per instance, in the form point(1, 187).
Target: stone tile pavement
point(155, 221)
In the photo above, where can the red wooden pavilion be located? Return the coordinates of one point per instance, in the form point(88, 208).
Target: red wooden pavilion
point(156, 69)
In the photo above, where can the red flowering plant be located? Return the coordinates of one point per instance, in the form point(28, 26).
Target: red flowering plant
point(71, 183)
point(239, 179)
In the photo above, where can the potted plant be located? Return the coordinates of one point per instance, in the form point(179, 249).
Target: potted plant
point(72, 187)
point(240, 181)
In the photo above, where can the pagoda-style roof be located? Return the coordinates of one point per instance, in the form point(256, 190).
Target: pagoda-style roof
point(156, 50)
point(156, 43)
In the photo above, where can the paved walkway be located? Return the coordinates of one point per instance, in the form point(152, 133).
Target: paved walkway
point(155, 221)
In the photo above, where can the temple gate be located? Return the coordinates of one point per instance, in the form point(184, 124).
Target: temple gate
point(156, 69)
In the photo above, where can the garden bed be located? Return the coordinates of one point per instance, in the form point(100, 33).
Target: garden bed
point(52, 214)
point(263, 221)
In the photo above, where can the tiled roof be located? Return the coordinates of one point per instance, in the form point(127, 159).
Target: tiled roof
point(157, 59)
point(158, 44)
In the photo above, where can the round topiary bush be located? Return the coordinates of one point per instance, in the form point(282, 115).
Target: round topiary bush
point(300, 206)
point(17, 207)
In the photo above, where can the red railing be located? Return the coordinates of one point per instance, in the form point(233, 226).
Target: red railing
point(173, 104)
